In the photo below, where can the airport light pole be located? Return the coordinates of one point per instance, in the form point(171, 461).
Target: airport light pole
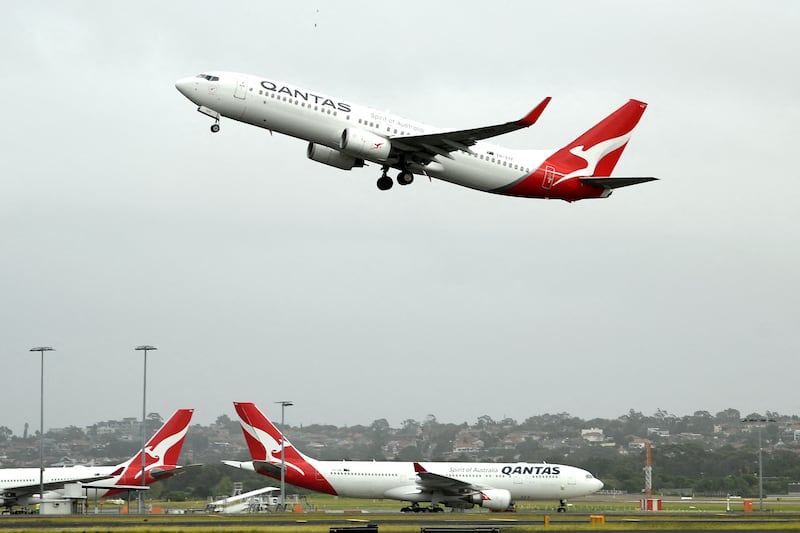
point(143, 348)
point(284, 405)
point(761, 422)
point(41, 350)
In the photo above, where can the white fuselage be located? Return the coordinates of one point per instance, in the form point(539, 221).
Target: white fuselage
point(320, 119)
point(21, 484)
point(383, 479)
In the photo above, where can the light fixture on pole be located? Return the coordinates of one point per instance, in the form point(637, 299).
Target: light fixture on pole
point(145, 349)
point(761, 422)
point(41, 350)
point(284, 405)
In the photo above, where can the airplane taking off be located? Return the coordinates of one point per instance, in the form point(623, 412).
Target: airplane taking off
point(346, 135)
point(20, 486)
point(494, 486)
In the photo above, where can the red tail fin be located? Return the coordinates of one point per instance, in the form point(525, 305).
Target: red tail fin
point(253, 420)
point(596, 152)
point(264, 442)
point(163, 448)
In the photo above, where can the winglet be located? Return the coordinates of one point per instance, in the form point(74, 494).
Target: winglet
point(533, 116)
point(418, 468)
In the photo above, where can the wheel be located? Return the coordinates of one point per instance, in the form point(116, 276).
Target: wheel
point(385, 183)
point(405, 178)
point(562, 509)
point(214, 128)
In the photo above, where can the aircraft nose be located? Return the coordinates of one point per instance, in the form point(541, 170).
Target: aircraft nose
point(186, 86)
point(598, 484)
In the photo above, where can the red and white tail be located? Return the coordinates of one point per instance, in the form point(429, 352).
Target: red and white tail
point(161, 451)
point(596, 152)
point(264, 442)
point(582, 168)
point(262, 437)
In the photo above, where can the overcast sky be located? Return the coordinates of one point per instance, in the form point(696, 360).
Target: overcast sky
point(263, 276)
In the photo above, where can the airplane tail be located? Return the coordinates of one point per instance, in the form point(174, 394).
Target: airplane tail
point(598, 149)
point(262, 437)
point(161, 451)
point(264, 442)
point(589, 160)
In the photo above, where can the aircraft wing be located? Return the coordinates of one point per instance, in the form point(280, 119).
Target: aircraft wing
point(423, 148)
point(448, 485)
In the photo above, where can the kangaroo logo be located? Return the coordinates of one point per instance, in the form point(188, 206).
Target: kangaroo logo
point(592, 156)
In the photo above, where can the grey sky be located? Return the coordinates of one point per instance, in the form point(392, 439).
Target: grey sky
point(263, 276)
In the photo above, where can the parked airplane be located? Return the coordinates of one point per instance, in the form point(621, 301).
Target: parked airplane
point(494, 486)
point(20, 486)
point(345, 135)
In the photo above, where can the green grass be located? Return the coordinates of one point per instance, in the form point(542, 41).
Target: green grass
point(622, 514)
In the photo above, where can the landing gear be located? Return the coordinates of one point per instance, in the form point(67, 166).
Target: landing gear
point(562, 506)
point(385, 183)
point(405, 178)
point(415, 508)
point(215, 127)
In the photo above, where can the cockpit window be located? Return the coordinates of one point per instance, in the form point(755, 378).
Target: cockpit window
point(589, 476)
point(207, 77)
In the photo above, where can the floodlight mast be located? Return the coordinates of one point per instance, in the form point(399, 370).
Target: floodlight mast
point(41, 350)
point(284, 405)
point(761, 422)
point(145, 348)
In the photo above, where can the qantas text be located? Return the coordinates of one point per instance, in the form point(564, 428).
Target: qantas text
point(307, 96)
point(536, 470)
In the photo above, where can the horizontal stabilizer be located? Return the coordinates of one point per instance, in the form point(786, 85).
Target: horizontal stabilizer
point(263, 467)
point(614, 183)
point(169, 470)
point(111, 486)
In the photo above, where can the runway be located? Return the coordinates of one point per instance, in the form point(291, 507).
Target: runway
point(395, 523)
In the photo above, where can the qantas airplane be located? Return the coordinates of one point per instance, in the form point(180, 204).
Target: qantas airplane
point(20, 486)
point(346, 135)
point(494, 486)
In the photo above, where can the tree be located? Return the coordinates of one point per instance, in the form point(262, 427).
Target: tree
point(409, 453)
point(411, 427)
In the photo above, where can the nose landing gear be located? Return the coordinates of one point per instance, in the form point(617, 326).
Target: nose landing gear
point(215, 127)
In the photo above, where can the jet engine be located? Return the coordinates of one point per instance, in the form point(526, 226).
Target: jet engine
point(494, 499)
point(365, 144)
point(334, 158)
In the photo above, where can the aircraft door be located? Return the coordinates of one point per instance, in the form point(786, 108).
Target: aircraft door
point(241, 88)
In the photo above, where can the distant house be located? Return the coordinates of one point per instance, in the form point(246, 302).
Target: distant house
point(592, 435)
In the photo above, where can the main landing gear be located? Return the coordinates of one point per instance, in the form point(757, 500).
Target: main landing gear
point(415, 508)
point(215, 127)
point(403, 178)
point(562, 506)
